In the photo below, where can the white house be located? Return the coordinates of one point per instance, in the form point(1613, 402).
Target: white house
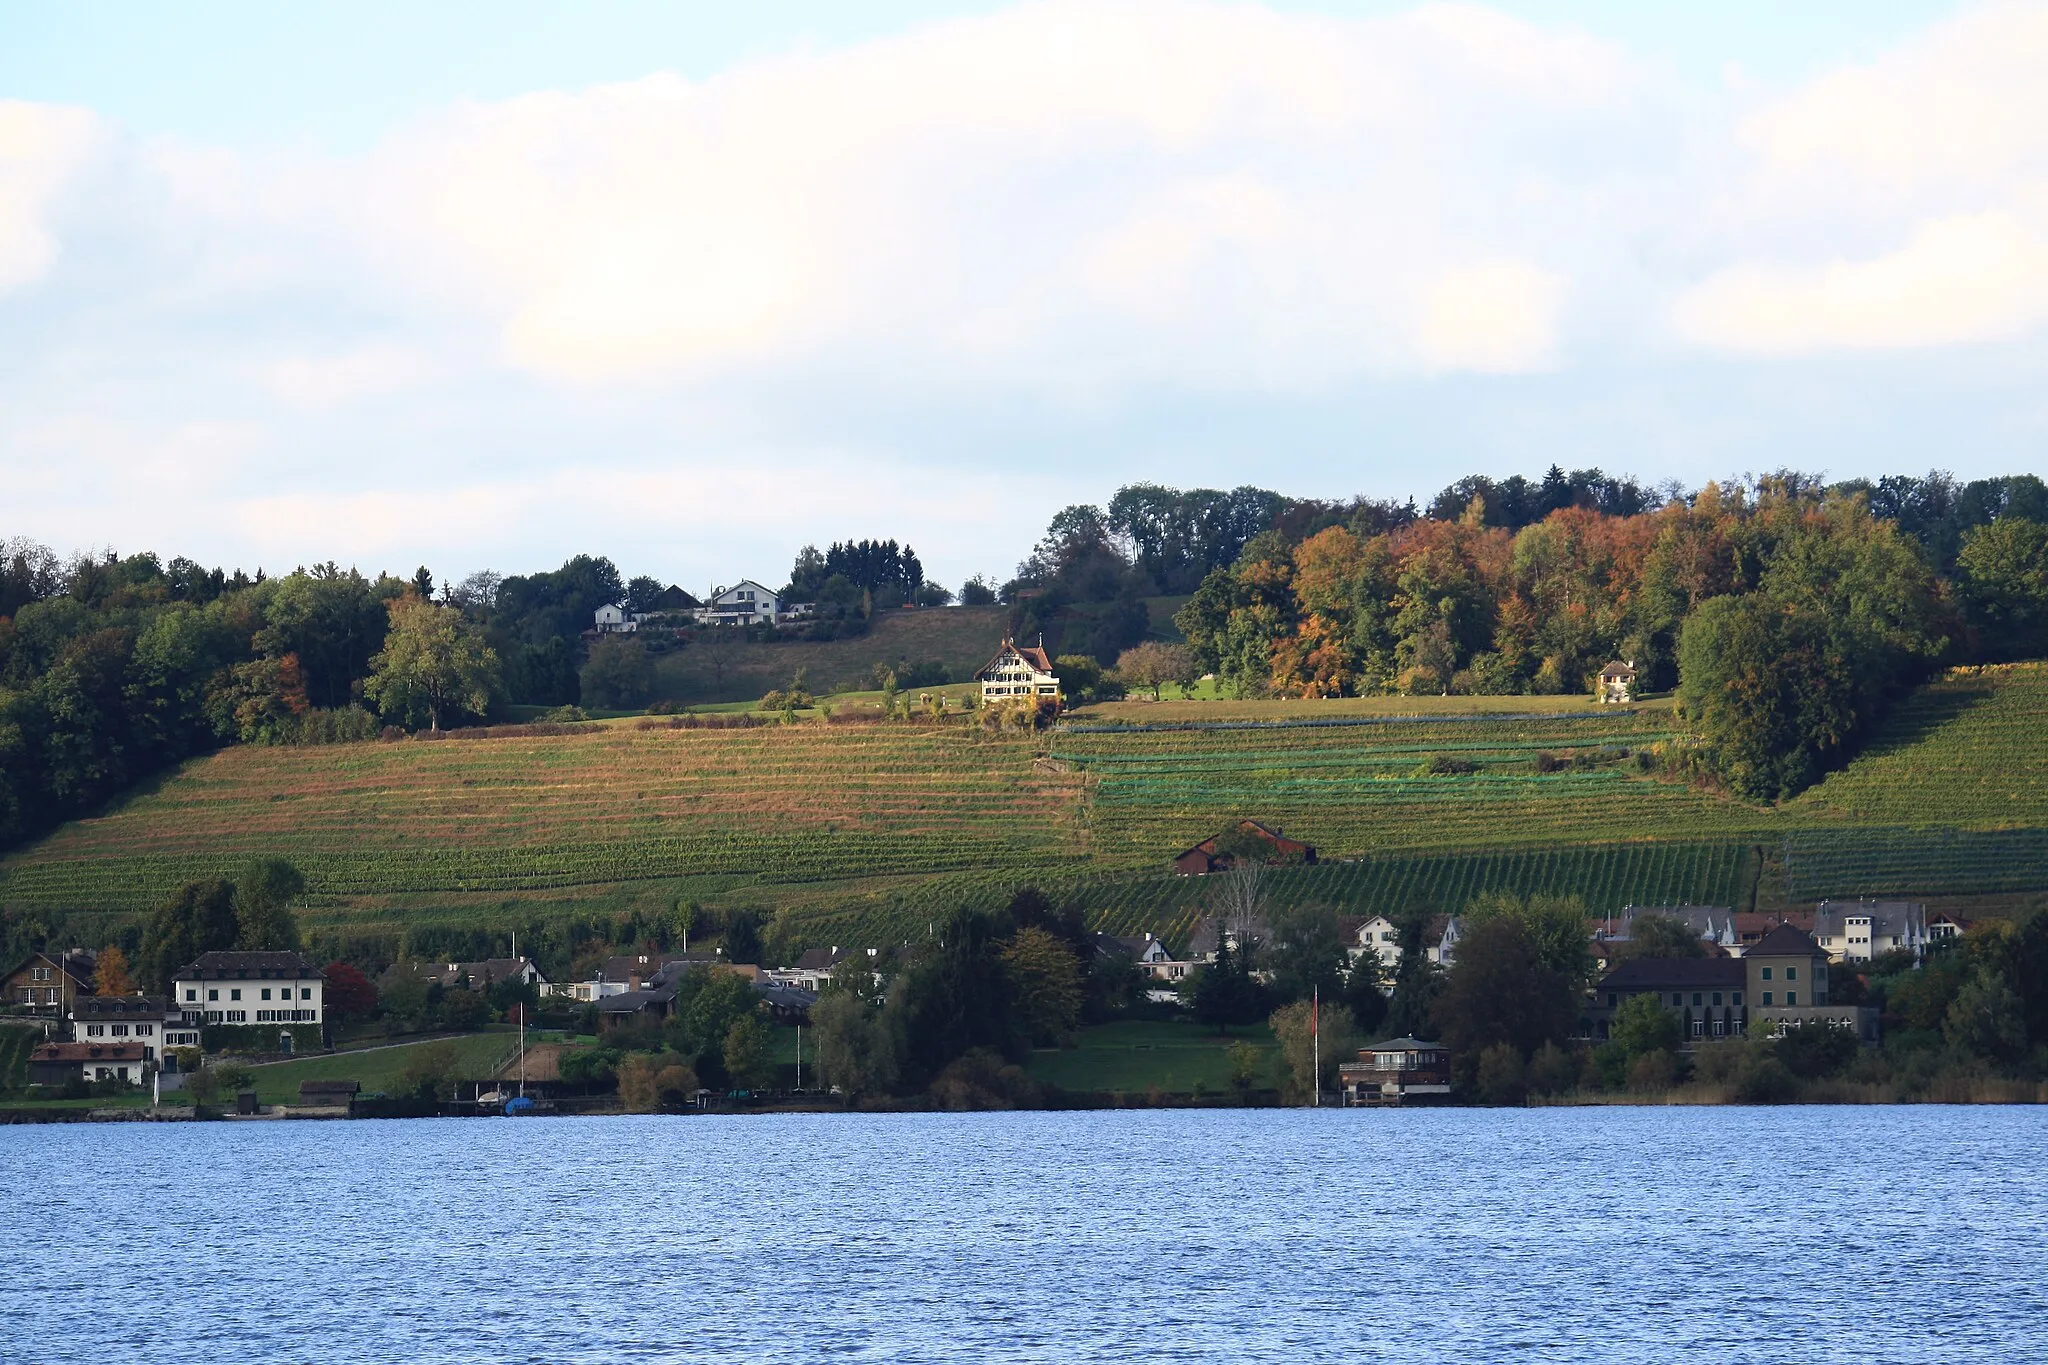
point(1857, 931)
point(1018, 671)
point(1381, 937)
point(1618, 682)
point(127, 1019)
point(612, 619)
point(747, 603)
point(242, 989)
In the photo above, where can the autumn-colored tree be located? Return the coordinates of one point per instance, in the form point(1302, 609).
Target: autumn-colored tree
point(348, 994)
point(110, 973)
point(433, 663)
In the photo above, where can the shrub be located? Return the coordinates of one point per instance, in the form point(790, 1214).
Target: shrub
point(1549, 763)
point(1766, 1081)
point(1552, 1071)
point(1447, 765)
point(1503, 1077)
point(1815, 1050)
point(1653, 1071)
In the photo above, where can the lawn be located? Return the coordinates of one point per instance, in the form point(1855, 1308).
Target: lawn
point(1138, 1056)
point(478, 1056)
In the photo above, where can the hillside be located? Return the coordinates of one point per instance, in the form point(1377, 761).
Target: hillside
point(962, 639)
point(860, 828)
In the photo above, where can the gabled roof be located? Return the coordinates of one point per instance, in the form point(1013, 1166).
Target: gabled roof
point(95, 1007)
point(1410, 1044)
point(746, 583)
point(1031, 654)
point(1676, 974)
point(1618, 669)
point(1278, 839)
point(821, 959)
point(246, 967)
point(1785, 941)
point(87, 1052)
point(77, 963)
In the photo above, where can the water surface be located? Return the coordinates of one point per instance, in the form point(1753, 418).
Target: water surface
point(1810, 1234)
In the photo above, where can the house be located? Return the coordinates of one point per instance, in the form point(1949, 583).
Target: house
point(328, 1094)
point(1148, 952)
point(1205, 858)
point(48, 983)
point(62, 1063)
point(1018, 671)
point(654, 996)
point(630, 972)
point(1389, 1072)
point(246, 990)
point(1857, 931)
point(1946, 928)
point(1707, 993)
point(1617, 682)
point(786, 1004)
point(124, 1018)
point(612, 619)
point(1788, 986)
point(813, 969)
point(1712, 924)
point(1381, 937)
point(747, 603)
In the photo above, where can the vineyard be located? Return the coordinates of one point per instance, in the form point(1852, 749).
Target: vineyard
point(863, 830)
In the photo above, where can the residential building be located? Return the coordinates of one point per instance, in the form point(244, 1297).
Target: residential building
point(248, 989)
point(1709, 994)
point(1788, 985)
point(1857, 931)
point(747, 603)
point(1389, 1072)
point(1018, 671)
point(613, 619)
point(1617, 682)
point(127, 1018)
point(1381, 937)
point(1204, 858)
point(476, 976)
point(815, 966)
point(61, 1063)
point(48, 983)
point(631, 972)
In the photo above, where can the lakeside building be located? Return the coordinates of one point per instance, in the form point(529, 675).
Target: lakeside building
point(1392, 1071)
point(1780, 981)
point(57, 1064)
point(477, 976)
point(151, 1021)
point(281, 990)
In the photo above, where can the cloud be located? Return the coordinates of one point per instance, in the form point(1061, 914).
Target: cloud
point(1981, 277)
point(41, 147)
point(1495, 317)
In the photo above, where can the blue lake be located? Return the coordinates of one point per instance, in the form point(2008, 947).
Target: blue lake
point(1811, 1234)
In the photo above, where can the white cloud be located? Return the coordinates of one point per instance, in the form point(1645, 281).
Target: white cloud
point(1982, 277)
point(41, 147)
point(1495, 317)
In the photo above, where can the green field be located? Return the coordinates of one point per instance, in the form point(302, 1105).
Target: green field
point(478, 1057)
point(960, 638)
point(1136, 1057)
point(865, 831)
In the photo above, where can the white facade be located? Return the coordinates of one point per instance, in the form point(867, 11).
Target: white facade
point(1017, 672)
point(151, 1033)
point(1381, 937)
point(747, 603)
point(240, 1001)
point(1857, 931)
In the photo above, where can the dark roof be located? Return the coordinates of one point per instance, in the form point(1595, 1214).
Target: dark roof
point(632, 1002)
point(87, 1052)
point(1618, 669)
point(1031, 654)
point(1404, 1045)
point(77, 963)
point(785, 997)
point(1279, 840)
point(117, 1007)
point(1784, 941)
point(247, 966)
point(1675, 974)
point(821, 959)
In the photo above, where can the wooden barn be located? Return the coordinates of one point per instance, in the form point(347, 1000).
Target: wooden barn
point(1206, 857)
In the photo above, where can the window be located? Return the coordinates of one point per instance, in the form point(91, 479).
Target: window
point(1699, 1026)
point(1767, 997)
point(238, 1016)
point(1698, 999)
point(1677, 999)
point(266, 992)
point(120, 1030)
point(144, 1030)
point(1791, 997)
point(1717, 997)
point(1738, 999)
point(39, 974)
point(94, 1030)
point(1767, 973)
point(191, 994)
point(212, 993)
point(1612, 999)
point(235, 994)
point(305, 992)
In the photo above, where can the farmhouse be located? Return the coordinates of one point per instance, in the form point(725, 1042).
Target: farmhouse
point(1210, 855)
point(1018, 671)
point(48, 983)
point(1617, 682)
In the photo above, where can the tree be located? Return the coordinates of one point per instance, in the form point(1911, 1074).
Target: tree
point(742, 936)
point(1246, 1063)
point(1365, 994)
point(746, 1052)
point(1306, 954)
point(433, 662)
point(1295, 1025)
point(1501, 991)
point(620, 674)
point(1662, 936)
point(1642, 1026)
point(1224, 992)
point(1555, 926)
point(347, 993)
point(1986, 1019)
point(110, 973)
point(708, 1003)
point(198, 918)
point(855, 1053)
point(2004, 567)
point(1504, 1075)
point(430, 1070)
point(1153, 665)
point(264, 892)
point(1045, 983)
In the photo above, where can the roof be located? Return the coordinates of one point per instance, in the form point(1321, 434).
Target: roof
point(1676, 973)
point(632, 1002)
point(1279, 840)
point(87, 1052)
point(784, 997)
point(77, 963)
point(1409, 1044)
point(117, 1007)
point(247, 966)
point(1618, 669)
point(1031, 654)
point(1886, 917)
point(821, 959)
point(1785, 941)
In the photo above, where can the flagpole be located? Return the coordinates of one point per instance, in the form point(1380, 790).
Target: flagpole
point(1315, 1035)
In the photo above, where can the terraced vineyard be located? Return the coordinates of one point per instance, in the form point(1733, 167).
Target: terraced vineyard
point(861, 831)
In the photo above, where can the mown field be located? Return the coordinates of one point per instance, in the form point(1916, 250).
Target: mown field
point(1136, 1057)
point(864, 831)
point(382, 1069)
point(961, 638)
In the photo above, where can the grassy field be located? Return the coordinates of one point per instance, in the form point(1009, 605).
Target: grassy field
point(961, 638)
point(861, 830)
point(478, 1055)
point(1138, 1056)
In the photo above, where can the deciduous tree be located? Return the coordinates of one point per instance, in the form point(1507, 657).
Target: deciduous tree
point(433, 663)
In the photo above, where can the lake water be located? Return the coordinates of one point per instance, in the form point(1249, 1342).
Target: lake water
point(1865, 1234)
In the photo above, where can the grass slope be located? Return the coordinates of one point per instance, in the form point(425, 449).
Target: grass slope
point(961, 638)
point(379, 1069)
point(1135, 1057)
point(863, 830)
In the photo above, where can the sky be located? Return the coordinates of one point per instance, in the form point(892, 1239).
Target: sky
point(692, 285)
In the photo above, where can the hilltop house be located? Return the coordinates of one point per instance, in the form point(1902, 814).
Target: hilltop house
point(1207, 856)
point(1617, 683)
point(48, 983)
point(747, 603)
point(1381, 937)
point(1018, 671)
point(476, 976)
